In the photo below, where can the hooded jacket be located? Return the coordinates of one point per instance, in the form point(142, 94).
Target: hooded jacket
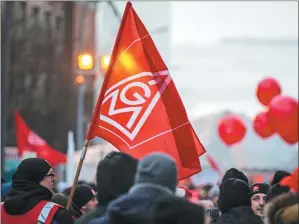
point(234, 203)
point(152, 199)
point(283, 209)
point(115, 176)
point(26, 192)
point(151, 205)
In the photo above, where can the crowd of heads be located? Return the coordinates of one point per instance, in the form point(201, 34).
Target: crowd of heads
point(127, 190)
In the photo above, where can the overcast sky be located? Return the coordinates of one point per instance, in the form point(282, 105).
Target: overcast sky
point(204, 21)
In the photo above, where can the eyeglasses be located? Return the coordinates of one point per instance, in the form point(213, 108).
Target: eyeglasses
point(52, 175)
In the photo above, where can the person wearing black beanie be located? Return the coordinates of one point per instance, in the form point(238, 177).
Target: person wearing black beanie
point(234, 203)
point(279, 175)
point(115, 176)
point(85, 198)
point(30, 195)
point(275, 191)
point(257, 194)
point(235, 173)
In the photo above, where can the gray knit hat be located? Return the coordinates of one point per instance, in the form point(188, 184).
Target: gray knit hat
point(159, 169)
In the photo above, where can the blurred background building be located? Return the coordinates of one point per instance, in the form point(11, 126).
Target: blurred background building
point(40, 42)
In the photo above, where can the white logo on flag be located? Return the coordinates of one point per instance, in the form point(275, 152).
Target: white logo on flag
point(134, 106)
point(34, 139)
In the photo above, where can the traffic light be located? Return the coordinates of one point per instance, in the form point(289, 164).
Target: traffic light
point(85, 61)
point(105, 60)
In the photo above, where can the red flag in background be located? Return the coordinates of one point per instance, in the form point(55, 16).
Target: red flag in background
point(213, 164)
point(28, 140)
point(139, 109)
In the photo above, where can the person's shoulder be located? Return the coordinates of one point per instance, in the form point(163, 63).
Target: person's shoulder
point(94, 214)
point(179, 205)
point(254, 219)
point(101, 220)
point(64, 216)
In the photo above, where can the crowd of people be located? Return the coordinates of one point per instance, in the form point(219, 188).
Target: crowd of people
point(128, 191)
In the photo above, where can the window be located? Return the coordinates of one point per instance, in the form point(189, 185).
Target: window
point(58, 29)
point(35, 14)
point(58, 23)
point(23, 23)
point(48, 26)
point(35, 32)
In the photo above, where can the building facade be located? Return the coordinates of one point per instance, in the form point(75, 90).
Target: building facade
point(39, 57)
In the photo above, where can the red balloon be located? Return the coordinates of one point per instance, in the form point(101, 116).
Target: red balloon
point(267, 89)
point(283, 117)
point(291, 138)
point(261, 126)
point(231, 130)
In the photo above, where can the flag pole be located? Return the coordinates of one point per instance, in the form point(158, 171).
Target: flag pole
point(100, 98)
point(83, 153)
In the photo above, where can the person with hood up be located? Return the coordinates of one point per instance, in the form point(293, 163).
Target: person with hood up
point(115, 176)
point(278, 176)
point(28, 201)
point(152, 198)
point(235, 173)
point(275, 191)
point(234, 203)
point(283, 209)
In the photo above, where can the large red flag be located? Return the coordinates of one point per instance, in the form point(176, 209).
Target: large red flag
point(139, 109)
point(27, 140)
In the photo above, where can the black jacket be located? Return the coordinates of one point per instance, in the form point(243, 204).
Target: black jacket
point(24, 195)
point(151, 206)
point(94, 214)
point(239, 215)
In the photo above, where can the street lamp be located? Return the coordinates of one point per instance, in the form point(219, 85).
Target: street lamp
point(85, 66)
point(104, 62)
point(125, 59)
point(85, 61)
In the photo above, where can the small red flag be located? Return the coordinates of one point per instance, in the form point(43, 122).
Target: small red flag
point(292, 181)
point(213, 164)
point(139, 109)
point(27, 140)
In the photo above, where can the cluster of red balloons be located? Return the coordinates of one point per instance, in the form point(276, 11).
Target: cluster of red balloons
point(281, 114)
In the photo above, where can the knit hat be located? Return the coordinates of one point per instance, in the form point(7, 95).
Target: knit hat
point(235, 173)
point(83, 194)
point(93, 186)
point(233, 193)
point(115, 176)
point(278, 176)
point(275, 191)
point(259, 188)
point(31, 169)
point(159, 169)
